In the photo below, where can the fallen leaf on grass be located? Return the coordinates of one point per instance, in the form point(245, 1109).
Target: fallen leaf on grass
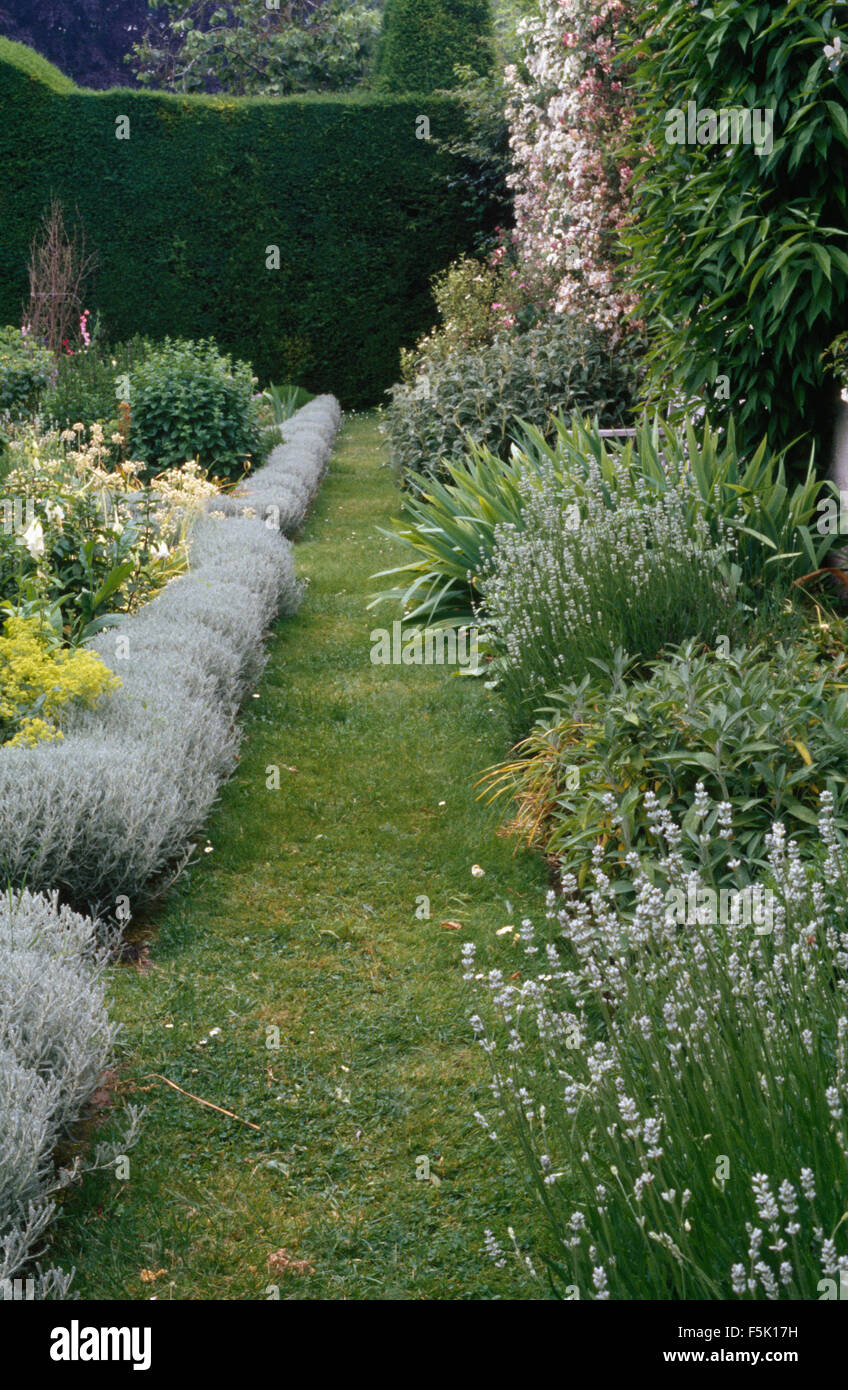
point(452, 926)
point(149, 1276)
point(103, 1095)
point(281, 1262)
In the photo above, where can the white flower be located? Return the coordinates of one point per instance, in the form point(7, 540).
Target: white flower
point(476, 871)
point(33, 539)
point(161, 552)
point(55, 512)
point(833, 53)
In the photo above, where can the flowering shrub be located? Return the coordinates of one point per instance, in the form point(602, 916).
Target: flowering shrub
point(82, 541)
point(25, 370)
point(677, 1095)
point(189, 401)
point(91, 385)
point(482, 392)
point(38, 679)
point(570, 107)
point(111, 810)
point(580, 578)
point(466, 298)
point(779, 526)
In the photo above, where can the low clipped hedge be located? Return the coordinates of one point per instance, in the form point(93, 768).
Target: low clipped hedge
point(185, 214)
point(55, 1043)
point(282, 492)
point(107, 815)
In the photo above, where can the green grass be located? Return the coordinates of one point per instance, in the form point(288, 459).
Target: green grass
point(303, 918)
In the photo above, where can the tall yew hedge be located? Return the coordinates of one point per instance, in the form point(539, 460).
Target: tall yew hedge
point(182, 212)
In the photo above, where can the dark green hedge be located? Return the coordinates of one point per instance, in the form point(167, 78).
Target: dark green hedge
point(423, 40)
point(181, 213)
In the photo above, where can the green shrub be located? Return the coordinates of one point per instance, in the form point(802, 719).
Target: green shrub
point(763, 728)
point(740, 252)
point(25, 370)
point(90, 385)
point(251, 48)
point(464, 294)
point(189, 401)
point(482, 392)
point(424, 40)
point(356, 205)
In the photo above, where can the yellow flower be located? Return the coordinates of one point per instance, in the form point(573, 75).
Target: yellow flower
point(37, 682)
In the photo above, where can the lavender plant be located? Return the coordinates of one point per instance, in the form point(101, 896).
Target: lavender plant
point(597, 569)
point(675, 1089)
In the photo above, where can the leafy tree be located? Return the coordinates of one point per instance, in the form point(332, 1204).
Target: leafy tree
point(740, 250)
point(248, 48)
point(424, 40)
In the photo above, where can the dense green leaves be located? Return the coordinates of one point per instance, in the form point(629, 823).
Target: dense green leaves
point(740, 253)
point(424, 40)
point(450, 527)
point(25, 369)
point(481, 392)
point(763, 729)
point(191, 402)
point(250, 48)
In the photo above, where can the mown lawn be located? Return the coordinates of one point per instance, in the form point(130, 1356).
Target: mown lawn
point(302, 919)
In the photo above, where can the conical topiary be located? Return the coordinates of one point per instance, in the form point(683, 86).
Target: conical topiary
point(424, 40)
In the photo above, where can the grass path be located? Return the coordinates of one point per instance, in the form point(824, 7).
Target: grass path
point(302, 919)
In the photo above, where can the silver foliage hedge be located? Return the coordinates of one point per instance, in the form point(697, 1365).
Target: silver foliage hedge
point(55, 1043)
point(282, 491)
point(109, 812)
point(103, 817)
